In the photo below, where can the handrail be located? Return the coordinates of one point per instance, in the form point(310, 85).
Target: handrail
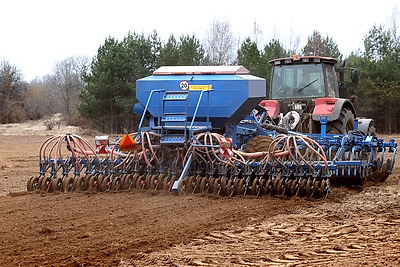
point(197, 108)
point(145, 109)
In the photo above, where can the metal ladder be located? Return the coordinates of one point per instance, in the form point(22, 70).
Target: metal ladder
point(175, 127)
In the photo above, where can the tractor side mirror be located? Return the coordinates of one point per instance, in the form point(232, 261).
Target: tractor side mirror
point(354, 76)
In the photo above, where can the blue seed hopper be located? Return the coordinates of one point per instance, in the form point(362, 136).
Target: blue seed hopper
point(218, 94)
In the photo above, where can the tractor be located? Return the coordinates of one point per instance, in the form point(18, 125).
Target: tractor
point(303, 89)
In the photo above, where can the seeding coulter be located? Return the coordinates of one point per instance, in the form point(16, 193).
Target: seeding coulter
point(202, 130)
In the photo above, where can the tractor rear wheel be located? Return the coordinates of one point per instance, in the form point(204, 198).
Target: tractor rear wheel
point(343, 125)
point(258, 143)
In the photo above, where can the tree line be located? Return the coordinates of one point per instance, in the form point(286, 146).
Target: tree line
point(100, 92)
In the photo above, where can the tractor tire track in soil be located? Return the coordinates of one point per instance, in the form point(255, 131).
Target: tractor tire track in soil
point(353, 227)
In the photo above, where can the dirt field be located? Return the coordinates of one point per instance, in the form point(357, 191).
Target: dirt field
point(352, 227)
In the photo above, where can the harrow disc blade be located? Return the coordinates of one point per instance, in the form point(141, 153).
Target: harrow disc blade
point(33, 183)
point(68, 184)
point(57, 185)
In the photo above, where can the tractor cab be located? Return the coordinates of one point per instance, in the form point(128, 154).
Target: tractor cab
point(305, 77)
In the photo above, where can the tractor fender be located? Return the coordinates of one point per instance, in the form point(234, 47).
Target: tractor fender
point(331, 107)
point(366, 126)
point(272, 107)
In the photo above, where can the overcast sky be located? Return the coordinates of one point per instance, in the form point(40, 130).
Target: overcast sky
point(34, 34)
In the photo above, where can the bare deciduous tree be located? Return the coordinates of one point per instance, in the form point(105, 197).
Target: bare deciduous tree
point(394, 23)
point(220, 43)
point(257, 35)
point(12, 89)
point(294, 42)
point(40, 101)
point(66, 83)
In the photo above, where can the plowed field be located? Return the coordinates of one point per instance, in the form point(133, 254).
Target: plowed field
point(353, 227)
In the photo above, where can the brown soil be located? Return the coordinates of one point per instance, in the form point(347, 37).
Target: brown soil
point(145, 228)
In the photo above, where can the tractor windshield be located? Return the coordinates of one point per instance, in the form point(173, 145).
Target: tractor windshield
point(297, 81)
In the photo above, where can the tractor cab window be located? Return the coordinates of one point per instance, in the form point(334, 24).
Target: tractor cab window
point(298, 81)
point(331, 81)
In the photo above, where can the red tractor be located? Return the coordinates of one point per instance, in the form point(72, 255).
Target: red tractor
point(305, 88)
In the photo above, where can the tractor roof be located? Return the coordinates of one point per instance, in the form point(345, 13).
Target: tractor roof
point(302, 60)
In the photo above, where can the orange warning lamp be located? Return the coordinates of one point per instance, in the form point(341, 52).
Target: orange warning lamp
point(127, 143)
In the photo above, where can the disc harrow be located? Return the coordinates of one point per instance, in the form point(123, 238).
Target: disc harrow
point(293, 165)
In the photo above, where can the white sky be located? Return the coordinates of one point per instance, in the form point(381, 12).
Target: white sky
point(34, 34)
